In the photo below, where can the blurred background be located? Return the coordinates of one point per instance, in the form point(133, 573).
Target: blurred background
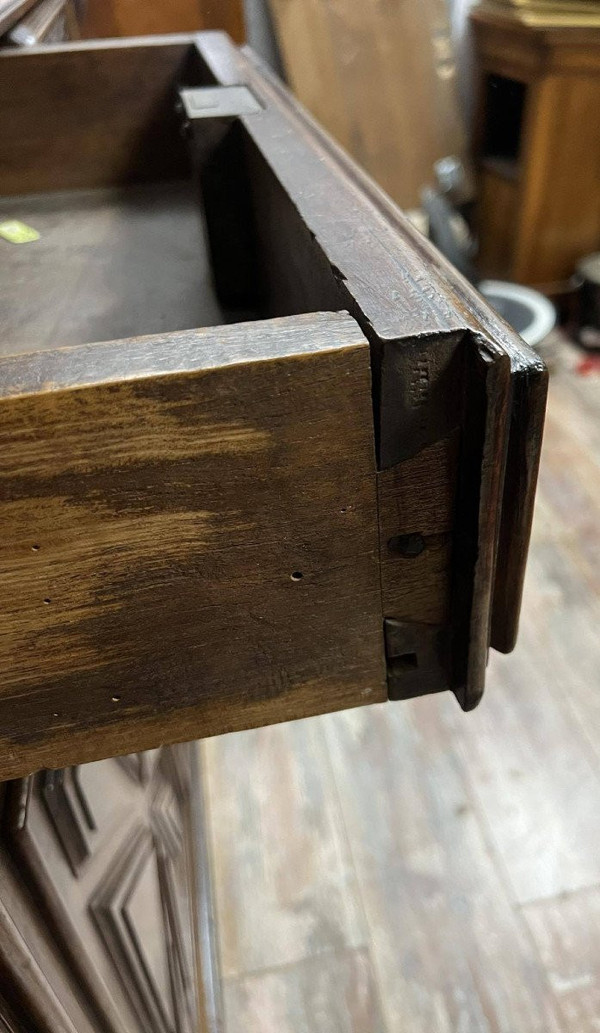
point(409, 867)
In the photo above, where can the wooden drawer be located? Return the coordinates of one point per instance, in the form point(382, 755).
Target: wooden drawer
point(319, 500)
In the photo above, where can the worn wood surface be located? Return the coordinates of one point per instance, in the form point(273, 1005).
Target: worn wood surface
point(109, 264)
point(104, 18)
point(451, 388)
point(567, 934)
point(336, 991)
point(183, 553)
point(430, 344)
point(381, 79)
point(97, 114)
point(467, 848)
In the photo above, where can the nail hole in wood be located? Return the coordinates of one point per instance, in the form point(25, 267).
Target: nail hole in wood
point(297, 575)
point(47, 602)
point(115, 699)
point(35, 548)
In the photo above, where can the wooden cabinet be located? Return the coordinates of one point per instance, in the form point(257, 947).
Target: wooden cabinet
point(296, 475)
point(99, 881)
point(538, 143)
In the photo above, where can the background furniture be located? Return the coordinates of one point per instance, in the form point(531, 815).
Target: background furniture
point(537, 145)
point(105, 18)
point(381, 79)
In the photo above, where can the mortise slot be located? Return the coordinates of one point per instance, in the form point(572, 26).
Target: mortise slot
point(404, 662)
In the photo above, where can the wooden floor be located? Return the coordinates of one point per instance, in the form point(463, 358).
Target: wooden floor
point(407, 868)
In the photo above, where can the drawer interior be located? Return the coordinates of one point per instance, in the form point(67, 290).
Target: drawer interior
point(97, 161)
point(109, 264)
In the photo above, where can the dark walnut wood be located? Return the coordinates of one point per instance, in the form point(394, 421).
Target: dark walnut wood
point(207, 530)
point(190, 536)
point(101, 917)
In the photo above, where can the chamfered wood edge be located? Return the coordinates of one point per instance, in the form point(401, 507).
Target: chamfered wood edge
point(168, 354)
point(525, 433)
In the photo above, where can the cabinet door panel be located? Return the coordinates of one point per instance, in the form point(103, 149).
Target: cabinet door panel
point(109, 862)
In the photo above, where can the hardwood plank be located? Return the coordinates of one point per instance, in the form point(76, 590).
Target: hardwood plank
point(332, 993)
point(214, 566)
point(128, 18)
point(448, 949)
point(429, 348)
point(377, 77)
point(448, 819)
point(92, 114)
point(284, 882)
point(531, 748)
point(567, 933)
point(108, 264)
point(533, 773)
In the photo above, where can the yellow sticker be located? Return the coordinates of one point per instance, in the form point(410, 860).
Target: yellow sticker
point(17, 232)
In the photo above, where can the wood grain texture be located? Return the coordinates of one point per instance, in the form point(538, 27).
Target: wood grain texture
point(381, 80)
point(429, 892)
point(109, 264)
point(340, 222)
point(532, 748)
point(91, 115)
point(326, 993)
point(318, 236)
point(183, 554)
point(417, 497)
point(105, 18)
point(292, 896)
point(567, 933)
point(451, 823)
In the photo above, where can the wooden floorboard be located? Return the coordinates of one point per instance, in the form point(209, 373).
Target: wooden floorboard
point(285, 886)
point(329, 993)
point(450, 863)
point(567, 933)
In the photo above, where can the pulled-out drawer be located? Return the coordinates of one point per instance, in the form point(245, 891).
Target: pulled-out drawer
point(320, 499)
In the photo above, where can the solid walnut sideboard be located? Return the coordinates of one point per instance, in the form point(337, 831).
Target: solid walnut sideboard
point(307, 486)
